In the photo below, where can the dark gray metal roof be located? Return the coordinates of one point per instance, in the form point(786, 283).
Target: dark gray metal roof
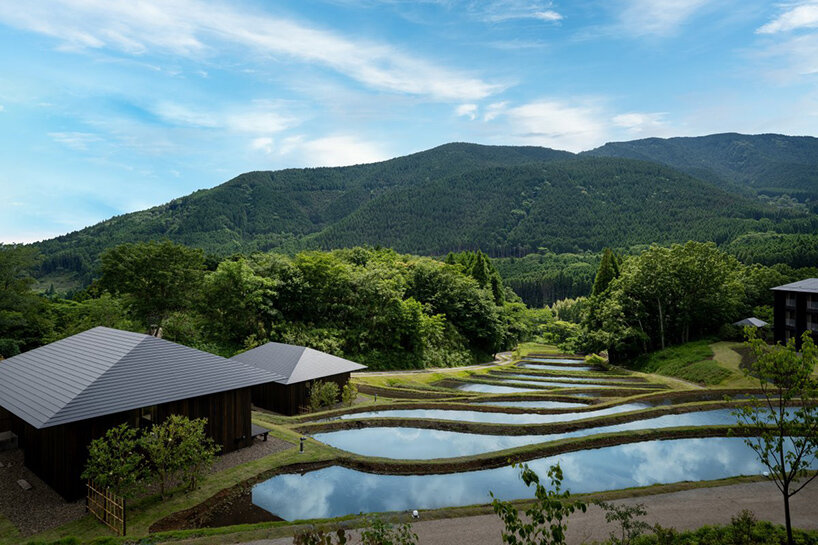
point(755, 322)
point(296, 363)
point(809, 285)
point(104, 371)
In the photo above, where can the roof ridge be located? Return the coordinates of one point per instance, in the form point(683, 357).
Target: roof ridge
point(99, 377)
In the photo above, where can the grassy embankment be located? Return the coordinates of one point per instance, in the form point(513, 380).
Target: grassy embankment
point(702, 362)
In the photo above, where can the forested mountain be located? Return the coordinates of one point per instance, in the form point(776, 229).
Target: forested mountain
point(265, 210)
point(768, 164)
point(506, 201)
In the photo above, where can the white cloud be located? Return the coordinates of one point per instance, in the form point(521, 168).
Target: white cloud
point(494, 109)
point(638, 123)
point(263, 144)
point(556, 124)
point(75, 140)
point(259, 117)
point(2, 108)
point(657, 17)
point(467, 110)
point(331, 151)
point(507, 10)
point(796, 17)
point(200, 29)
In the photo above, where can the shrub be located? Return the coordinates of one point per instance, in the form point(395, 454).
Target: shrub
point(349, 394)
point(323, 394)
point(115, 461)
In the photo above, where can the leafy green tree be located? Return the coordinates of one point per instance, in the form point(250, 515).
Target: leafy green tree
point(156, 278)
point(783, 436)
point(178, 447)
point(608, 270)
point(198, 451)
point(23, 317)
point(322, 394)
point(544, 522)
point(349, 394)
point(238, 303)
point(115, 461)
point(71, 316)
point(626, 518)
point(665, 296)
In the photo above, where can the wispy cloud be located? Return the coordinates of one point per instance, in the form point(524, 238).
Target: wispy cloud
point(640, 123)
point(793, 17)
point(75, 140)
point(466, 110)
point(202, 29)
point(657, 17)
point(259, 117)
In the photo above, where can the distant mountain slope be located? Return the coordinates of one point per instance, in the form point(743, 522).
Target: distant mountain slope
point(263, 210)
point(769, 164)
point(567, 206)
point(508, 201)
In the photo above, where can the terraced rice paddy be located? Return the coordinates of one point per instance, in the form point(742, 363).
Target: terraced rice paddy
point(426, 444)
point(444, 444)
point(337, 491)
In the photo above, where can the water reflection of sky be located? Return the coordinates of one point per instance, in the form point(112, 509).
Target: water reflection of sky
point(337, 491)
point(555, 360)
point(506, 376)
point(424, 444)
point(534, 404)
point(490, 388)
point(555, 367)
point(499, 418)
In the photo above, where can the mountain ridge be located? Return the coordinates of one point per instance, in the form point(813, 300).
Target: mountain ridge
point(507, 200)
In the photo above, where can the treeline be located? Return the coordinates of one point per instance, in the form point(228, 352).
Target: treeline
point(384, 309)
point(665, 296)
point(544, 278)
point(505, 201)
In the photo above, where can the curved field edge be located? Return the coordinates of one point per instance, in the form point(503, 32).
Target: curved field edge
point(489, 428)
point(492, 460)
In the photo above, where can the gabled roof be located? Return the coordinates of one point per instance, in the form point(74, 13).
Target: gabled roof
point(808, 285)
point(104, 371)
point(296, 363)
point(755, 322)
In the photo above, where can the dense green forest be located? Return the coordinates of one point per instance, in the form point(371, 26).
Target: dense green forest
point(505, 201)
point(766, 164)
point(376, 306)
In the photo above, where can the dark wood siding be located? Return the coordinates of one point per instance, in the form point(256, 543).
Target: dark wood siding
point(5, 420)
point(293, 398)
point(58, 454)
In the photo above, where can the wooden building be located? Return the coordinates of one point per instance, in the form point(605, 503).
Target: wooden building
point(59, 397)
point(298, 368)
point(795, 311)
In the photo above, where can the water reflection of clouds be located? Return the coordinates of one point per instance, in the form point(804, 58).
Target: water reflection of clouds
point(424, 444)
point(337, 491)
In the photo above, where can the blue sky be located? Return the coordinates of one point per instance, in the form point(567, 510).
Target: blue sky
point(111, 106)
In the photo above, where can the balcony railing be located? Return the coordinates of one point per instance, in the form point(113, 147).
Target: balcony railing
point(790, 323)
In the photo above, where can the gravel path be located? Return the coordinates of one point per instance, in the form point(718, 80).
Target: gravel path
point(685, 510)
point(32, 510)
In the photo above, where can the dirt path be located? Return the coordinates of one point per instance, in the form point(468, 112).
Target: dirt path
point(685, 510)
